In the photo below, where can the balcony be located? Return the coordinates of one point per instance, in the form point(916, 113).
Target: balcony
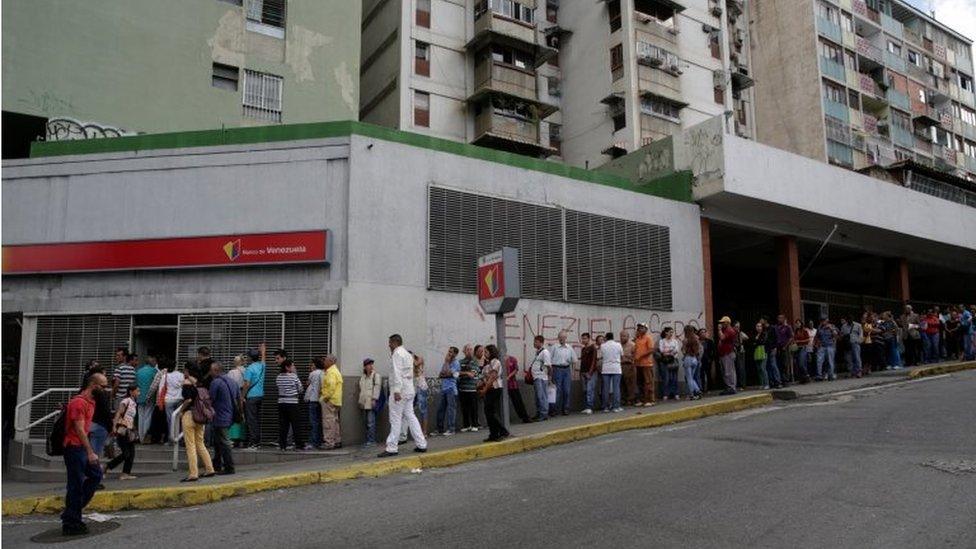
point(902, 137)
point(870, 124)
point(894, 61)
point(840, 154)
point(868, 21)
point(923, 144)
point(969, 131)
point(504, 79)
point(869, 55)
point(926, 115)
point(508, 133)
point(492, 27)
point(837, 110)
point(898, 99)
point(837, 131)
point(913, 37)
point(833, 69)
point(829, 30)
point(892, 26)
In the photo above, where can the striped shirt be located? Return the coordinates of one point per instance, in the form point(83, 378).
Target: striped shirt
point(126, 375)
point(289, 388)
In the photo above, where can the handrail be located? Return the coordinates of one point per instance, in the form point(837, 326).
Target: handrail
point(175, 435)
point(31, 425)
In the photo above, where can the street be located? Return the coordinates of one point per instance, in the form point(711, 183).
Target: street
point(886, 467)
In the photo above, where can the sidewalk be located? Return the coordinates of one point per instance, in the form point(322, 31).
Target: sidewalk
point(161, 491)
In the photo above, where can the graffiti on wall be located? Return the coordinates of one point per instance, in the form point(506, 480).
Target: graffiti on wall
point(62, 129)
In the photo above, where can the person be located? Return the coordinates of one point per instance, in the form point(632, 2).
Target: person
point(826, 343)
point(191, 391)
point(784, 339)
point(514, 395)
point(145, 402)
point(289, 391)
point(312, 405)
point(855, 339)
point(125, 433)
point(644, 359)
point(966, 322)
point(889, 333)
point(760, 353)
point(236, 374)
point(877, 351)
point(772, 370)
point(331, 397)
point(402, 393)
point(707, 373)
point(492, 377)
point(563, 360)
point(225, 395)
point(254, 395)
point(588, 371)
point(447, 406)
point(421, 392)
point(540, 368)
point(101, 424)
point(468, 388)
point(610, 373)
point(931, 328)
point(171, 387)
point(690, 351)
point(953, 341)
point(123, 377)
point(802, 340)
point(909, 323)
point(370, 385)
point(739, 348)
point(80, 459)
point(668, 347)
point(629, 379)
point(726, 353)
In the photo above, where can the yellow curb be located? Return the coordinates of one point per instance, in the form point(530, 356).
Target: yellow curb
point(941, 369)
point(180, 496)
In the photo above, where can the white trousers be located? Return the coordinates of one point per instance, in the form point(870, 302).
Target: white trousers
point(402, 413)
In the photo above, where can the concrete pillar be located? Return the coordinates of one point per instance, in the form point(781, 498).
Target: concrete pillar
point(788, 277)
point(896, 270)
point(25, 378)
point(706, 239)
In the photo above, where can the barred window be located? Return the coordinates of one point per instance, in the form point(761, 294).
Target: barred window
point(262, 96)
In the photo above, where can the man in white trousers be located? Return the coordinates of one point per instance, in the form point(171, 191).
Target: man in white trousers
point(401, 404)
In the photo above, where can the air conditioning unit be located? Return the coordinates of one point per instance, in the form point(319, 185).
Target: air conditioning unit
point(739, 37)
point(674, 68)
point(655, 61)
point(674, 30)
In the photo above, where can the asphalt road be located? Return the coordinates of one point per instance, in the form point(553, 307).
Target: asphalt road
point(891, 467)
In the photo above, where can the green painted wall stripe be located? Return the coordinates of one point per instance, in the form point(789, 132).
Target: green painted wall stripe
point(319, 130)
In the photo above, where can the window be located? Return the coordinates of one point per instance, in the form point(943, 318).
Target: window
point(553, 85)
point(650, 54)
point(514, 109)
point(267, 12)
point(830, 51)
point(718, 94)
point(922, 95)
point(505, 8)
point(423, 14)
point(421, 109)
point(555, 138)
point(663, 15)
point(658, 107)
point(834, 93)
point(613, 8)
point(509, 56)
point(894, 48)
point(850, 60)
point(619, 119)
point(262, 95)
point(224, 77)
point(714, 44)
point(617, 61)
point(937, 68)
point(422, 58)
point(914, 58)
point(901, 121)
point(853, 99)
point(965, 82)
point(847, 22)
point(828, 12)
point(968, 116)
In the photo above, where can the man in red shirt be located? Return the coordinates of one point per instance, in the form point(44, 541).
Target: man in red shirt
point(931, 327)
point(80, 460)
point(726, 353)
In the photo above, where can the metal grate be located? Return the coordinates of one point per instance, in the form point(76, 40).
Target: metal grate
point(307, 335)
point(268, 12)
point(62, 347)
point(617, 262)
point(262, 95)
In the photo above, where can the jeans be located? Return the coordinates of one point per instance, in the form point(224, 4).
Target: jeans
point(828, 353)
point(420, 405)
point(563, 378)
point(223, 459)
point(740, 369)
point(931, 342)
point(590, 386)
point(763, 372)
point(691, 375)
point(854, 359)
point(127, 456)
point(671, 380)
point(252, 417)
point(891, 349)
point(83, 480)
point(288, 417)
point(493, 400)
point(314, 423)
point(97, 437)
point(611, 383)
point(370, 418)
point(541, 398)
point(469, 409)
point(447, 412)
point(967, 346)
point(803, 362)
point(772, 369)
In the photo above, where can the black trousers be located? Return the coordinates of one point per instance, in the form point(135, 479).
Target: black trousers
point(157, 427)
point(515, 396)
point(288, 415)
point(493, 401)
point(223, 459)
point(127, 456)
point(469, 409)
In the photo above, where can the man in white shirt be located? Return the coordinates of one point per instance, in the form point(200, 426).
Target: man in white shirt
point(401, 402)
point(563, 358)
point(541, 365)
point(613, 352)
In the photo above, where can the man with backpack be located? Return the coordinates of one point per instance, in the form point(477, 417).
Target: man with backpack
point(225, 399)
point(80, 460)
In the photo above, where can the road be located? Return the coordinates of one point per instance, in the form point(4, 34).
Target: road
point(879, 468)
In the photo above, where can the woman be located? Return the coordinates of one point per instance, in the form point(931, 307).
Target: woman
point(422, 392)
point(171, 391)
point(193, 431)
point(236, 432)
point(468, 391)
point(691, 348)
point(668, 347)
point(289, 393)
point(739, 347)
point(514, 395)
point(801, 339)
point(125, 433)
point(492, 377)
point(759, 354)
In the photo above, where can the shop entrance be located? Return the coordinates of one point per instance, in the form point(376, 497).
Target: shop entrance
point(154, 334)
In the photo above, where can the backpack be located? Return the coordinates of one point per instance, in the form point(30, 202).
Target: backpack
point(55, 440)
point(203, 411)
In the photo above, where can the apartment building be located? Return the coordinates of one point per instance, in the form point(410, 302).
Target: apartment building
point(74, 70)
point(865, 83)
point(581, 82)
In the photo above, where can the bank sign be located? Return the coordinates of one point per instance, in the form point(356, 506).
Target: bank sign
point(169, 253)
point(498, 281)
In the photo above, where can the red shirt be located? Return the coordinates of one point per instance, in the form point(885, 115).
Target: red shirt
point(727, 342)
point(80, 407)
point(932, 323)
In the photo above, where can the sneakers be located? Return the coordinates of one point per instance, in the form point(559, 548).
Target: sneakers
point(384, 454)
point(465, 429)
point(250, 449)
point(448, 433)
point(420, 450)
point(474, 429)
point(125, 476)
point(606, 410)
point(617, 410)
point(587, 411)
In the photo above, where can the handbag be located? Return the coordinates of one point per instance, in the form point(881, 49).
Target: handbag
point(161, 397)
point(528, 377)
point(759, 353)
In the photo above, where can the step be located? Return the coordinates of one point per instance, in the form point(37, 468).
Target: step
point(29, 473)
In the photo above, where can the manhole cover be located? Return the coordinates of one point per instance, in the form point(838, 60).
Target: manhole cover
point(54, 535)
point(956, 467)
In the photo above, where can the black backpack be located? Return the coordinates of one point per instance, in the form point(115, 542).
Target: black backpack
point(55, 440)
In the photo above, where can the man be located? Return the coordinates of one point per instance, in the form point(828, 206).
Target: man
point(784, 339)
point(826, 343)
point(726, 353)
point(280, 356)
point(80, 460)
point(855, 336)
point(331, 397)
point(145, 376)
point(563, 359)
point(541, 366)
point(447, 407)
point(402, 391)
point(123, 377)
point(966, 332)
point(468, 388)
point(611, 372)
point(912, 337)
point(254, 394)
point(931, 328)
point(587, 371)
point(203, 353)
point(224, 394)
point(644, 359)
point(629, 380)
point(707, 361)
point(312, 405)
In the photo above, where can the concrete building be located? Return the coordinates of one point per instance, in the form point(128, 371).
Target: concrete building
point(89, 69)
point(861, 83)
point(581, 82)
point(373, 231)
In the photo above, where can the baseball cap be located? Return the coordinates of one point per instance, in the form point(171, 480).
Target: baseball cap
point(725, 320)
point(368, 361)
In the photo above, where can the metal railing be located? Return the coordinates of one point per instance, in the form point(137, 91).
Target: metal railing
point(176, 434)
point(31, 424)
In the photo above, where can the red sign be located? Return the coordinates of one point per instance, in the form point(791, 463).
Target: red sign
point(168, 253)
point(491, 281)
point(498, 281)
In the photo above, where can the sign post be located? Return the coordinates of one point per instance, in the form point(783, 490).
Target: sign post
point(498, 293)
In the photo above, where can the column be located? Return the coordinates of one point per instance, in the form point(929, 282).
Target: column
point(896, 270)
point(706, 240)
point(788, 277)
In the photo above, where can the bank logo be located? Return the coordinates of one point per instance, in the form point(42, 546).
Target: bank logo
point(491, 280)
point(233, 249)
